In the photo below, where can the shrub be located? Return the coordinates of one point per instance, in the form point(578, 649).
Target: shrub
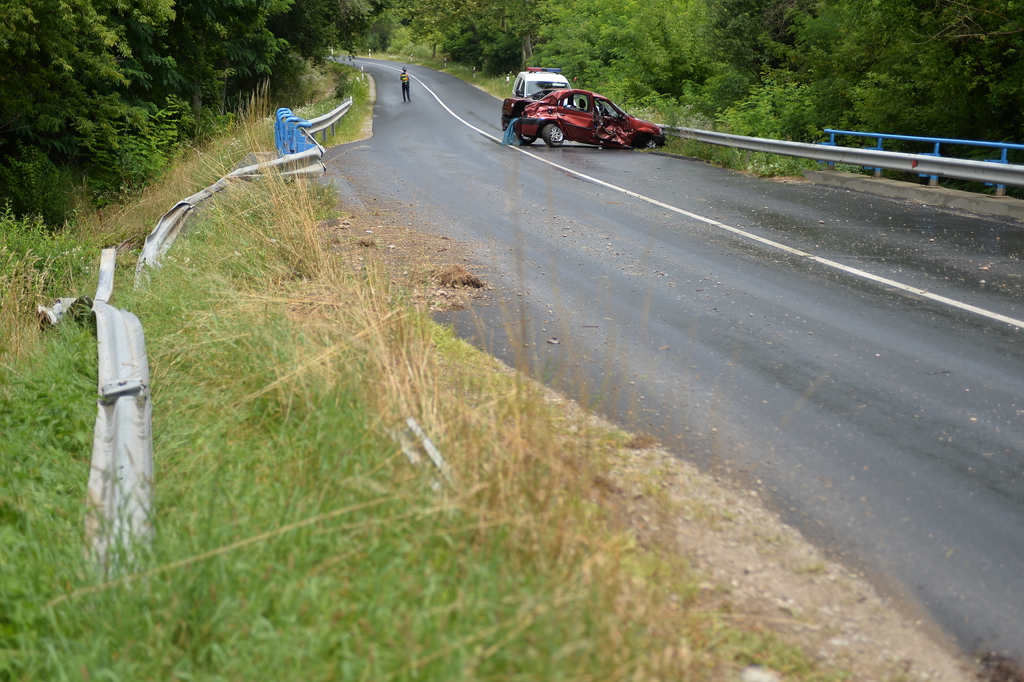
point(779, 111)
point(137, 153)
point(32, 185)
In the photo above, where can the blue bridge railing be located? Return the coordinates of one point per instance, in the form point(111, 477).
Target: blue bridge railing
point(933, 180)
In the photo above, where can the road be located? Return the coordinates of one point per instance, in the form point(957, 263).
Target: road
point(856, 360)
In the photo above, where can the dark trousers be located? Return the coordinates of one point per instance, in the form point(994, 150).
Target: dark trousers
point(405, 93)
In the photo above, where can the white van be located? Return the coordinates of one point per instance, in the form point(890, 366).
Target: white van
point(536, 80)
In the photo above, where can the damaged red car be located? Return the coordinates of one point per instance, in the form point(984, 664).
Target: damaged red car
point(578, 116)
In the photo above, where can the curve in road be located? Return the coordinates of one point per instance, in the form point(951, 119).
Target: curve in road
point(742, 321)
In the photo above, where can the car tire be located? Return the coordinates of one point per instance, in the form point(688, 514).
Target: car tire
point(527, 141)
point(553, 135)
point(645, 142)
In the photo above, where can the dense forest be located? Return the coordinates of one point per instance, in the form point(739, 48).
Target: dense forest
point(110, 88)
point(776, 68)
point(101, 92)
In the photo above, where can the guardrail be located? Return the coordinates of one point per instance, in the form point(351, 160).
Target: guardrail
point(120, 488)
point(305, 164)
point(933, 180)
point(294, 135)
point(120, 492)
point(943, 167)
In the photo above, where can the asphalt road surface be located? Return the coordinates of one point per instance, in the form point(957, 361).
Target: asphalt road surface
point(857, 360)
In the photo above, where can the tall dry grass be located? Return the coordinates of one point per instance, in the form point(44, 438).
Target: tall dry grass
point(21, 290)
point(294, 538)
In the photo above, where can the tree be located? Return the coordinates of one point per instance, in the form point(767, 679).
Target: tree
point(921, 67)
point(66, 65)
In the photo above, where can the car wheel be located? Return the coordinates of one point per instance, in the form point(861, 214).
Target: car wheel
point(527, 141)
point(553, 136)
point(645, 142)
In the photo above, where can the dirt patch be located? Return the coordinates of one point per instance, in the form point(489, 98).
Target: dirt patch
point(458, 276)
point(436, 270)
point(998, 668)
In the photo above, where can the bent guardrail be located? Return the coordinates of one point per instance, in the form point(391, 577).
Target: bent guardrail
point(120, 493)
point(943, 167)
point(307, 164)
point(120, 488)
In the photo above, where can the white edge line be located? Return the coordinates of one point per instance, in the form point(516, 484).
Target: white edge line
point(735, 230)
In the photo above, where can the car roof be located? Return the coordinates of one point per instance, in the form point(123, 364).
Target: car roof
point(542, 76)
point(558, 94)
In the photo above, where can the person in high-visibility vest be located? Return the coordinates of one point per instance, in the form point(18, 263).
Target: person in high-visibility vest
point(405, 86)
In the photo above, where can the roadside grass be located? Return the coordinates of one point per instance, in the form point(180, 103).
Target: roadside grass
point(293, 536)
point(37, 266)
point(756, 163)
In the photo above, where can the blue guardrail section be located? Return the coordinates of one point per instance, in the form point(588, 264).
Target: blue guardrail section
point(932, 179)
point(288, 135)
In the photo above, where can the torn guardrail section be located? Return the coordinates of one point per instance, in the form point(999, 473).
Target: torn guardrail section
point(120, 494)
point(62, 306)
point(305, 165)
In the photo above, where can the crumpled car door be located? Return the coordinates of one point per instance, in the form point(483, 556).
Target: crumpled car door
point(575, 112)
point(612, 125)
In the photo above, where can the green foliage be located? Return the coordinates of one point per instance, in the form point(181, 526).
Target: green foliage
point(312, 28)
point(900, 66)
point(493, 52)
point(116, 86)
point(61, 260)
point(32, 185)
point(634, 51)
point(139, 151)
point(496, 36)
point(752, 36)
point(780, 111)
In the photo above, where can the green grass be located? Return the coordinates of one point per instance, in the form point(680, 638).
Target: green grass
point(293, 538)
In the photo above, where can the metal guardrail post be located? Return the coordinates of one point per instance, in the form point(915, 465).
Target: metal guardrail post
point(832, 143)
point(1000, 189)
point(933, 180)
point(279, 128)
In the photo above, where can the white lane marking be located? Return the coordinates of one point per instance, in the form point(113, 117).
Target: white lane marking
point(900, 286)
